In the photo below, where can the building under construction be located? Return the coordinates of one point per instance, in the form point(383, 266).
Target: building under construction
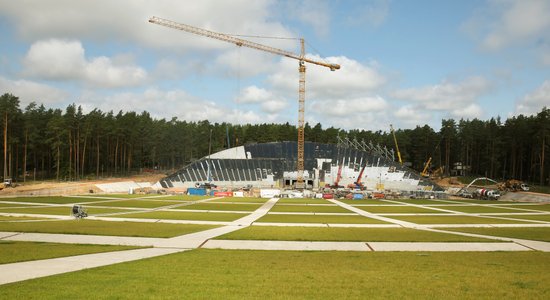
point(349, 163)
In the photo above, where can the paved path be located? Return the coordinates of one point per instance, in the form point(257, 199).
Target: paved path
point(47, 267)
point(161, 246)
point(362, 246)
point(34, 269)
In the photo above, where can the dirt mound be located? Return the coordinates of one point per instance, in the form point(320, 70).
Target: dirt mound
point(52, 188)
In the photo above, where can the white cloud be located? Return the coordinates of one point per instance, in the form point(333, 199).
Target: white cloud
point(167, 104)
point(505, 23)
point(127, 20)
point(459, 99)
point(470, 111)
point(315, 13)
point(373, 13)
point(349, 107)
point(29, 91)
point(352, 80)
point(65, 60)
point(532, 103)
point(410, 116)
point(269, 102)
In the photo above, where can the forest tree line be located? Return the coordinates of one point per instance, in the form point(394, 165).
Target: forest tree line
point(45, 143)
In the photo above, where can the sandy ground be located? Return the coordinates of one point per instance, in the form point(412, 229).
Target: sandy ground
point(51, 188)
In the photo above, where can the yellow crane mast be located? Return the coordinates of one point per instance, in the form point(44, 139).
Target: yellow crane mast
point(301, 69)
point(396, 146)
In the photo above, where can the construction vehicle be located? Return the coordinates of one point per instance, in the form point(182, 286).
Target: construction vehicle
point(358, 184)
point(396, 146)
point(480, 193)
point(424, 172)
point(486, 194)
point(513, 185)
point(8, 182)
point(337, 181)
point(301, 69)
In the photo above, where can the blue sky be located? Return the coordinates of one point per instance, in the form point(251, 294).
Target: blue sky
point(405, 63)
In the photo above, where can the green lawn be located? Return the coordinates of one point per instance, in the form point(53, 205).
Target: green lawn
point(223, 206)
point(397, 209)
point(468, 201)
point(362, 201)
point(181, 197)
point(344, 234)
point(240, 200)
point(182, 215)
point(418, 201)
point(479, 209)
point(528, 233)
point(303, 201)
point(93, 227)
point(11, 219)
point(324, 219)
point(138, 203)
point(309, 208)
point(59, 210)
point(545, 218)
point(52, 199)
point(227, 274)
point(457, 219)
point(26, 251)
point(2, 205)
point(539, 207)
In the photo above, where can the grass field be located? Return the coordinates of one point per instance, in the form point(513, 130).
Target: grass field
point(362, 201)
point(104, 228)
point(226, 274)
point(537, 207)
point(309, 208)
point(25, 251)
point(12, 219)
point(545, 218)
point(52, 200)
point(479, 209)
point(344, 234)
point(2, 205)
point(397, 209)
point(59, 210)
point(240, 200)
point(137, 203)
point(531, 233)
point(323, 219)
point(417, 201)
point(223, 206)
point(182, 215)
point(302, 201)
point(455, 219)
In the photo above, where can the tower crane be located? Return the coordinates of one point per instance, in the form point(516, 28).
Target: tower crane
point(301, 69)
point(396, 146)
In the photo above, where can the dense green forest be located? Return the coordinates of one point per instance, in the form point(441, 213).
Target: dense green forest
point(45, 143)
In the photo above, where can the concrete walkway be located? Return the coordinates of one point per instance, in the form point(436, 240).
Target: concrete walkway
point(34, 269)
point(40, 268)
point(362, 246)
point(204, 239)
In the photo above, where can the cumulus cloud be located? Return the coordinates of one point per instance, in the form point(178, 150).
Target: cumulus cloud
point(65, 60)
point(354, 79)
point(315, 13)
point(348, 107)
point(29, 91)
point(508, 23)
point(532, 103)
point(372, 13)
point(458, 98)
point(89, 20)
point(269, 102)
point(167, 104)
